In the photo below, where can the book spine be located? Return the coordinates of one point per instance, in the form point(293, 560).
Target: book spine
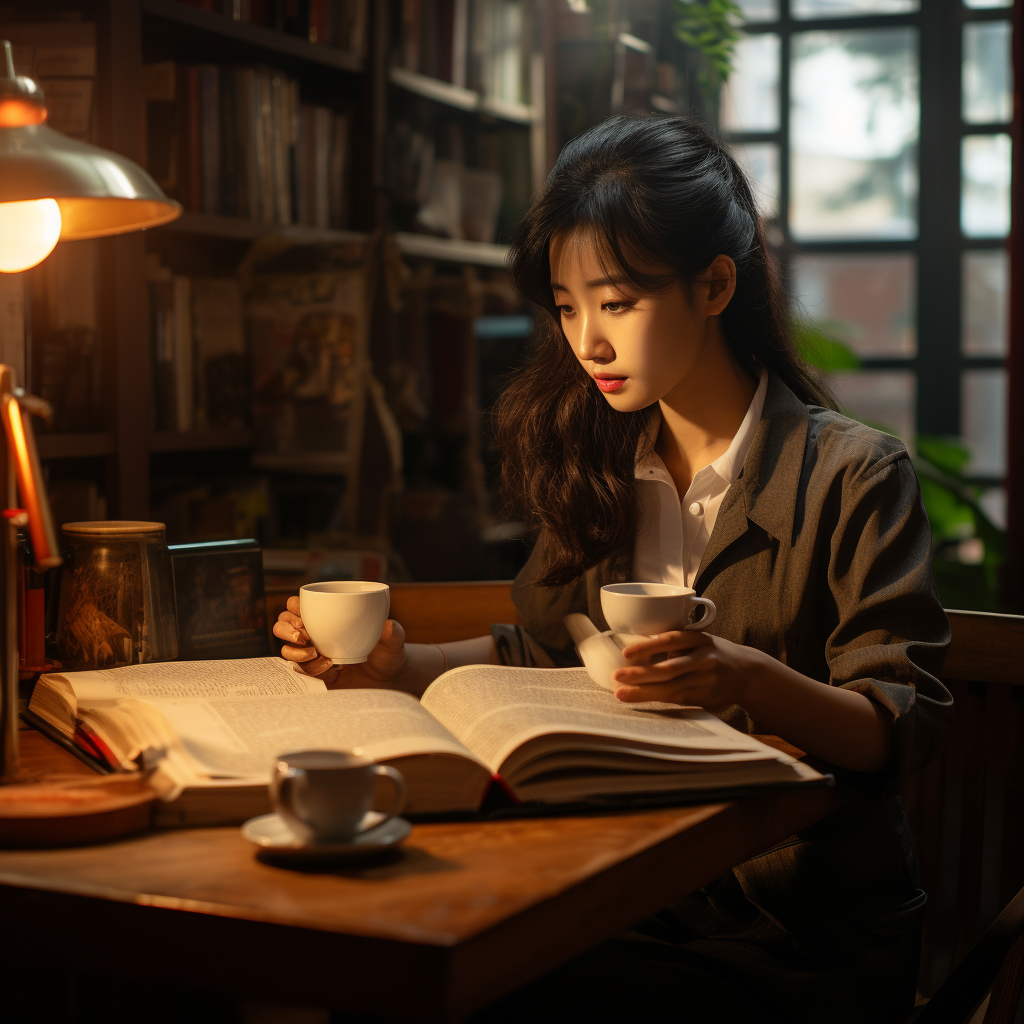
point(460, 41)
point(209, 105)
point(183, 354)
point(229, 204)
point(195, 142)
point(337, 210)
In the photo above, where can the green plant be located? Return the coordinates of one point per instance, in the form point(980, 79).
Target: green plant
point(954, 511)
point(710, 28)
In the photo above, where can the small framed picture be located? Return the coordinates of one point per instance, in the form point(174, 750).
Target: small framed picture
point(221, 608)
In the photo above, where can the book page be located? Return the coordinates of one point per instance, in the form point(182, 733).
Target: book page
point(245, 677)
point(242, 737)
point(495, 709)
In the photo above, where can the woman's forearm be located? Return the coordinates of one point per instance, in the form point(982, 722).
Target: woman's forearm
point(840, 726)
point(425, 662)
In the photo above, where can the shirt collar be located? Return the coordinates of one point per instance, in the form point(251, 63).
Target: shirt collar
point(730, 462)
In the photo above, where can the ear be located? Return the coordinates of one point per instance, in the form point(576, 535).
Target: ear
point(719, 277)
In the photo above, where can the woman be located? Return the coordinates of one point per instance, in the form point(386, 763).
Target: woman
point(665, 430)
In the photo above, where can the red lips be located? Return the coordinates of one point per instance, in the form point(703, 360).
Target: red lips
point(608, 382)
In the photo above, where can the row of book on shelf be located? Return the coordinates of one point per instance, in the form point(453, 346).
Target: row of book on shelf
point(238, 141)
point(339, 23)
point(484, 45)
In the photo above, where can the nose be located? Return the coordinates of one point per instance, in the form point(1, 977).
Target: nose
point(592, 344)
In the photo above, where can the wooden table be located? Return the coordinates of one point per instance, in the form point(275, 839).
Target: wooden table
point(467, 913)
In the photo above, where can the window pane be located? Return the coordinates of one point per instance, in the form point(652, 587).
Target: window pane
point(979, 5)
point(750, 99)
point(760, 162)
point(883, 398)
point(760, 10)
point(985, 302)
point(983, 420)
point(844, 8)
point(854, 134)
point(987, 73)
point(993, 501)
point(985, 186)
point(867, 302)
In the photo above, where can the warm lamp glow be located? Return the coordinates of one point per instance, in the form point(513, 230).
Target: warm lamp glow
point(28, 232)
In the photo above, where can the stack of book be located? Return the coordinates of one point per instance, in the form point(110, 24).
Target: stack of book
point(239, 142)
point(340, 23)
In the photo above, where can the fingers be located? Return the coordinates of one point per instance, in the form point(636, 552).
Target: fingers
point(675, 640)
point(299, 655)
point(293, 604)
point(316, 665)
point(662, 671)
point(694, 691)
point(290, 629)
point(392, 635)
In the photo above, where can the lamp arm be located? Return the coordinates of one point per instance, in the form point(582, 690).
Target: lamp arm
point(21, 445)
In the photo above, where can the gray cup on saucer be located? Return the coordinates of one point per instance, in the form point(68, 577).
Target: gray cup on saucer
point(325, 795)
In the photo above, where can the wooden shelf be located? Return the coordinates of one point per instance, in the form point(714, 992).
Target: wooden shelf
point(453, 250)
point(262, 42)
point(200, 440)
point(74, 446)
point(462, 99)
point(215, 226)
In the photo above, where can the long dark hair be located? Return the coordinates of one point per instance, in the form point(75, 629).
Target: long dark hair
point(650, 192)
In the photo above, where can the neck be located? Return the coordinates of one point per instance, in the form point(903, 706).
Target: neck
point(702, 414)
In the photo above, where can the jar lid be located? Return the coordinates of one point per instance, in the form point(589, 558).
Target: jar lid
point(111, 527)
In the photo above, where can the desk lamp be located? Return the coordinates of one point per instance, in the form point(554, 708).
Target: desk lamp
point(51, 187)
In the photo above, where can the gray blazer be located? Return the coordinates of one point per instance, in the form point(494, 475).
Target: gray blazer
point(821, 557)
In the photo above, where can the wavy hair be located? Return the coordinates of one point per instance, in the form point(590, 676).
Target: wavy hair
point(651, 192)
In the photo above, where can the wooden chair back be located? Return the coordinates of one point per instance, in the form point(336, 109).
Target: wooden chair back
point(966, 809)
point(437, 613)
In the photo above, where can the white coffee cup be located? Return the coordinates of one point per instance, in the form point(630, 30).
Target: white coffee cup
point(324, 795)
point(648, 608)
point(344, 619)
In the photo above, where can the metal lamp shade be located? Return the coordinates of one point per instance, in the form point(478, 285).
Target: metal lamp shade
point(98, 192)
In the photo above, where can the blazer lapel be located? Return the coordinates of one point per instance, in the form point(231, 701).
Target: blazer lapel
point(766, 492)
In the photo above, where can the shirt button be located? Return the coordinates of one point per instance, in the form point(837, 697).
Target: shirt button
point(696, 509)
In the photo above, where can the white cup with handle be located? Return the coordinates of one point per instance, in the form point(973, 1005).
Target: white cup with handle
point(649, 608)
point(325, 796)
point(344, 618)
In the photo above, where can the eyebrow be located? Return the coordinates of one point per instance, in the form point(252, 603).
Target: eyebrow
point(596, 283)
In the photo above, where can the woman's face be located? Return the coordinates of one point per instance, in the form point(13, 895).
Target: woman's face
point(638, 348)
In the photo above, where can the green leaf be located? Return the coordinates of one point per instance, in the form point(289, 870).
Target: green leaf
point(817, 344)
point(947, 453)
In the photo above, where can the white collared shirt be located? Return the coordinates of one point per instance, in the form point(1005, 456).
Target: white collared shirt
point(674, 534)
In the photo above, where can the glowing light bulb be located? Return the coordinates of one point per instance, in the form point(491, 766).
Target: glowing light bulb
point(28, 232)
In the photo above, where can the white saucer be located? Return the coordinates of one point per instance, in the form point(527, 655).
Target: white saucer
point(273, 836)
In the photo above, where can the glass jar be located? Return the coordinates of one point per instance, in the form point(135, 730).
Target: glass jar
point(116, 596)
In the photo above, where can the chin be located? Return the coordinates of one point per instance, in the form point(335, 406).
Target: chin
point(632, 401)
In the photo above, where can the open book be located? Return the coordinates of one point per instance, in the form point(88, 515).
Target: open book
point(212, 729)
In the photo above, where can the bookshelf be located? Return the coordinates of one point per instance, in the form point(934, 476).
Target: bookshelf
point(140, 463)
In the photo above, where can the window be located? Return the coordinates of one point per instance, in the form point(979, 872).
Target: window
point(889, 212)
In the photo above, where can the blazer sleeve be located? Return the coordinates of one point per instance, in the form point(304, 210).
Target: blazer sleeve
point(891, 634)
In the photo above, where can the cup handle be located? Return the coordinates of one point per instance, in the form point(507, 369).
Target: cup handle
point(398, 782)
point(709, 614)
point(282, 788)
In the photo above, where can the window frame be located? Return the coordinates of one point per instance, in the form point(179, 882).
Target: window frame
point(939, 363)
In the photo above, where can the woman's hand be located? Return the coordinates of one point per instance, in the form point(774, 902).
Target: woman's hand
point(701, 669)
point(380, 668)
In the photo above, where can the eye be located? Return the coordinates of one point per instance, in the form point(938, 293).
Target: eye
point(619, 306)
point(565, 310)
